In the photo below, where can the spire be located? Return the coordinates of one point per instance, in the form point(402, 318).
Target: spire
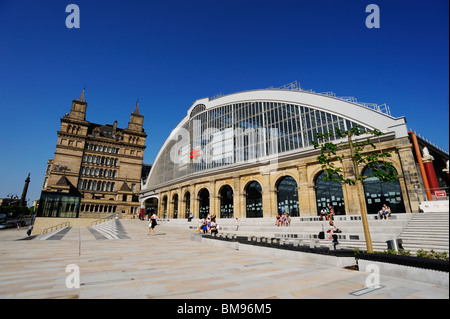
point(23, 201)
point(136, 109)
point(81, 98)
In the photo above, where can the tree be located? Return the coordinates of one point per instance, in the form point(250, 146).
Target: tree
point(355, 147)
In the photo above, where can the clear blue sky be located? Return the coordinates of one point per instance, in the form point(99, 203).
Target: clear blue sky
point(168, 54)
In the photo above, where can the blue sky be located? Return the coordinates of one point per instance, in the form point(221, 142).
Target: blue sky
point(168, 54)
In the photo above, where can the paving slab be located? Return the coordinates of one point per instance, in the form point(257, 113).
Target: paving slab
point(169, 265)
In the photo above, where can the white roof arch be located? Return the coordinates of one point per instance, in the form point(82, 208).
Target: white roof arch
point(352, 111)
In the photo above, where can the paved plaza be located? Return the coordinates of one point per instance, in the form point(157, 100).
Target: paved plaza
point(169, 265)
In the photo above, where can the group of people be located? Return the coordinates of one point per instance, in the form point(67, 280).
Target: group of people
point(283, 219)
point(208, 225)
point(385, 212)
point(328, 212)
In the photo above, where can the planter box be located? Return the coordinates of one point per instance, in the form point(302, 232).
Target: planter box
point(319, 255)
point(412, 268)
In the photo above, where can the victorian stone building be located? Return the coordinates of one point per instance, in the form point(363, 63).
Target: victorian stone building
point(96, 168)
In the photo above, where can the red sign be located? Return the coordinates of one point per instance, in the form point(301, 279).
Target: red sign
point(194, 154)
point(440, 193)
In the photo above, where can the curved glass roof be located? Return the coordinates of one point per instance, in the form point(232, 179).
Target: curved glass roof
point(248, 127)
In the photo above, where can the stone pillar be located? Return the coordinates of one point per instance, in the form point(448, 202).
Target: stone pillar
point(446, 169)
point(23, 200)
point(351, 192)
point(237, 198)
point(303, 192)
point(195, 203)
point(411, 178)
point(267, 194)
point(429, 169)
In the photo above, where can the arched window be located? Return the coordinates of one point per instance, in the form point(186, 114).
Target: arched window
point(203, 197)
point(378, 193)
point(254, 200)
point(226, 202)
point(89, 159)
point(108, 186)
point(94, 185)
point(287, 196)
point(164, 203)
point(175, 205)
point(187, 204)
point(112, 186)
point(329, 193)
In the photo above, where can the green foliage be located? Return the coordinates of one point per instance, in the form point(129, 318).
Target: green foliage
point(420, 253)
point(374, 160)
point(432, 254)
point(14, 211)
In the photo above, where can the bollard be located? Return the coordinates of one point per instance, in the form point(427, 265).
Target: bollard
point(395, 244)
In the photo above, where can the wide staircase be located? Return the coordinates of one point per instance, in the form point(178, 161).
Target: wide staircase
point(427, 231)
point(418, 230)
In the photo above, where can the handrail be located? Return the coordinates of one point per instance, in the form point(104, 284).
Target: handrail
point(55, 227)
point(101, 220)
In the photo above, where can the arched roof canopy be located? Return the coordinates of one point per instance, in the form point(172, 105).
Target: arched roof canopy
point(245, 121)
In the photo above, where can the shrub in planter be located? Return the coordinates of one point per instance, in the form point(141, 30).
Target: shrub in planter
point(418, 262)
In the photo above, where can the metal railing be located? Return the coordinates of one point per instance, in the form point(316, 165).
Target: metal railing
point(55, 227)
point(102, 220)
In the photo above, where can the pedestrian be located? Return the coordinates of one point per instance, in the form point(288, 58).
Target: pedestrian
point(30, 229)
point(283, 219)
point(152, 224)
point(388, 210)
point(199, 226)
point(323, 212)
point(333, 230)
point(205, 226)
point(236, 222)
point(288, 219)
point(331, 213)
point(214, 227)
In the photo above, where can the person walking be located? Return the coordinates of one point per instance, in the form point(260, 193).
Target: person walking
point(152, 224)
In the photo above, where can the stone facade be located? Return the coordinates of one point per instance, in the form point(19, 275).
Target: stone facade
point(304, 168)
point(103, 162)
